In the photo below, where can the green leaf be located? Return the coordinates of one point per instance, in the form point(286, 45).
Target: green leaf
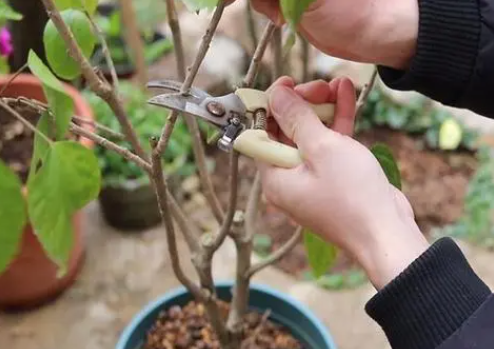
point(12, 215)
point(61, 105)
point(196, 5)
point(320, 254)
point(40, 145)
point(388, 163)
point(68, 180)
point(57, 52)
point(7, 13)
point(84, 5)
point(293, 10)
point(450, 135)
point(157, 49)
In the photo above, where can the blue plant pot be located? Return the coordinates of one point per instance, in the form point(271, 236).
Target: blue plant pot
point(285, 310)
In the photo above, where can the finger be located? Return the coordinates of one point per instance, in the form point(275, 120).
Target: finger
point(272, 126)
point(282, 81)
point(344, 120)
point(316, 92)
point(295, 118)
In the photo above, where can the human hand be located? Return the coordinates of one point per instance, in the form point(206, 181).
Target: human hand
point(340, 191)
point(373, 31)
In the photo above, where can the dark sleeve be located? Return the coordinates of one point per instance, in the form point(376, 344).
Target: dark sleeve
point(438, 302)
point(454, 62)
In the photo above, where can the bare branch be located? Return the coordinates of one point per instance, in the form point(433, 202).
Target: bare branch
point(278, 61)
point(12, 78)
point(95, 83)
point(251, 24)
point(364, 95)
point(102, 128)
point(161, 190)
point(305, 59)
point(277, 255)
point(190, 231)
point(106, 51)
point(257, 59)
point(252, 207)
point(26, 123)
point(105, 143)
point(232, 204)
point(134, 41)
point(192, 125)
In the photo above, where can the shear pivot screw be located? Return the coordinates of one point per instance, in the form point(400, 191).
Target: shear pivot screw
point(215, 108)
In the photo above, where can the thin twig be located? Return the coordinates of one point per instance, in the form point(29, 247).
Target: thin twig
point(161, 189)
point(103, 90)
point(232, 204)
point(251, 25)
point(250, 342)
point(305, 59)
point(189, 231)
point(192, 125)
point(105, 50)
point(26, 123)
point(105, 143)
point(12, 78)
point(278, 62)
point(112, 134)
point(258, 54)
point(252, 207)
point(364, 95)
point(277, 255)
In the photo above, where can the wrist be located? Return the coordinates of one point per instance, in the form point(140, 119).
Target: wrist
point(392, 33)
point(390, 249)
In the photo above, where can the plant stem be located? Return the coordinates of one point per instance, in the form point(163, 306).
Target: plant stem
point(277, 255)
point(191, 122)
point(26, 123)
point(252, 207)
point(105, 143)
point(112, 134)
point(278, 61)
point(364, 95)
point(12, 78)
point(161, 190)
point(305, 59)
point(251, 25)
point(104, 91)
point(134, 41)
point(258, 54)
point(105, 50)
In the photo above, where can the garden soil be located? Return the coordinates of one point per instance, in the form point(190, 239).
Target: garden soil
point(434, 182)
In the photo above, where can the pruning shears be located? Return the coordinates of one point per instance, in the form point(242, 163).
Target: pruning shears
point(240, 116)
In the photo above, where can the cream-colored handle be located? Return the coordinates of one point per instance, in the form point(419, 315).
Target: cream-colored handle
point(255, 99)
point(257, 145)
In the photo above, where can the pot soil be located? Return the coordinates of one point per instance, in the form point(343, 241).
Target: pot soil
point(31, 279)
point(276, 321)
point(435, 183)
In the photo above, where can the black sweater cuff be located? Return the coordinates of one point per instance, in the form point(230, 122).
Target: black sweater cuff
point(447, 47)
point(430, 300)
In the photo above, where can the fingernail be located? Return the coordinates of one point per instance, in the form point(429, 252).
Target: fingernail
point(280, 98)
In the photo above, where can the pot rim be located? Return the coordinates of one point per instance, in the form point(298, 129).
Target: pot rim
point(148, 309)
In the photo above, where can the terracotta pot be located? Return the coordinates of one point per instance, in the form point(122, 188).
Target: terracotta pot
point(31, 279)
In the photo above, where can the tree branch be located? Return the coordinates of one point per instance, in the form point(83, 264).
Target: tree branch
point(26, 123)
point(105, 143)
point(252, 207)
point(104, 91)
point(364, 95)
point(277, 255)
point(305, 59)
point(106, 51)
point(161, 190)
point(198, 148)
point(258, 55)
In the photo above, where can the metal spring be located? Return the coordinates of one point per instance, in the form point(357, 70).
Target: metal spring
point(261, 120)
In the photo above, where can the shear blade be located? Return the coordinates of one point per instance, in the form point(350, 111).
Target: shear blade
point(176, 86)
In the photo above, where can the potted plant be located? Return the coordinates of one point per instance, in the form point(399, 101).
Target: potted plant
point(232, 315)
point(127, 198)
point(149, 14)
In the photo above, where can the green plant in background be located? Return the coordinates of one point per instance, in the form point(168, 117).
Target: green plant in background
point(148, 121)
point(149, 15)
point(437, 127)
point(476, 224)
point(6, 48)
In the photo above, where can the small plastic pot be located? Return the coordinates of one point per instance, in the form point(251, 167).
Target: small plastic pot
point(132, 206)
point(285, 310)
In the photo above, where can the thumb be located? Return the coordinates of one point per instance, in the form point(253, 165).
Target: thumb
point(296, 118)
